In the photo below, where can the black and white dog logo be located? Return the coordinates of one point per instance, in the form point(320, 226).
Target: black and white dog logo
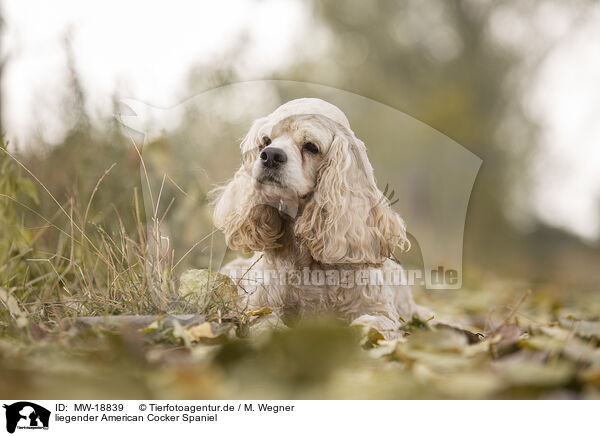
point(26, 415)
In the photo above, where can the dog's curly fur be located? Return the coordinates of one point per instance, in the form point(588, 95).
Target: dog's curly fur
point(318, 211)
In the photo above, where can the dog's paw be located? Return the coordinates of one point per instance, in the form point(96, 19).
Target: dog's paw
point(373, 325)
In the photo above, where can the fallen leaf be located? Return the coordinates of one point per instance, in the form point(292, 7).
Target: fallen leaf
point(370, 336)
point(200, 332)
point(445, 340)
point(534, 373)
point(12, 305)
point(260, 312)
point(212, 292)
point(180, 333)
point(504, 340)
point(470, 385)
point(585, 329)
point(384, 348)
point(150, 327)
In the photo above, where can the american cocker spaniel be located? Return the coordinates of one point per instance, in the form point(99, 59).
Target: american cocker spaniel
point(305, 200)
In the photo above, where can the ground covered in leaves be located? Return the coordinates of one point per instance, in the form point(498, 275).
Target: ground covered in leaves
point(518, 344)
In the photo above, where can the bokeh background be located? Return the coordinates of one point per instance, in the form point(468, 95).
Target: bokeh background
point(513, 82)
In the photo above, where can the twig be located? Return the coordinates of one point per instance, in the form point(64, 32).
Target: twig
point(512, 312)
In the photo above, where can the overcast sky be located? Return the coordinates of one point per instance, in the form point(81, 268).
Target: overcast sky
point(148, 57)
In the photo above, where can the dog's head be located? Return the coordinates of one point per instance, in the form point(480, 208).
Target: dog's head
point(303, 167)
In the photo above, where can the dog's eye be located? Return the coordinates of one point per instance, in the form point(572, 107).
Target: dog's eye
point(265, 142)
point(311, 148)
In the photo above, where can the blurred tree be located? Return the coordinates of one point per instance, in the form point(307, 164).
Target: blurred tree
point(72, 167)
point(438, 61)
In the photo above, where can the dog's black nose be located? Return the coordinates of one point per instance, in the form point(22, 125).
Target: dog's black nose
point(272, 157)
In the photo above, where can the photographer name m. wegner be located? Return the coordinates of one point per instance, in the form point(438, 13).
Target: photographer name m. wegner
point(348, 278)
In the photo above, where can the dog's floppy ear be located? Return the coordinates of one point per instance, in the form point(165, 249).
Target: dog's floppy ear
point(348, 219)
point(248, 225)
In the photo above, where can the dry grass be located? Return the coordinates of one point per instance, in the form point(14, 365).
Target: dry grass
point(92, 269)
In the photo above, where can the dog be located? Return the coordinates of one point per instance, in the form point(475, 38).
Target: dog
point(305, 201)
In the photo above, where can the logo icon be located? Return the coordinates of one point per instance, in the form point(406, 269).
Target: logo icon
point(26, 415)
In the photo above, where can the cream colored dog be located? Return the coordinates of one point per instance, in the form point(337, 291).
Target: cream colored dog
point(305, 200)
